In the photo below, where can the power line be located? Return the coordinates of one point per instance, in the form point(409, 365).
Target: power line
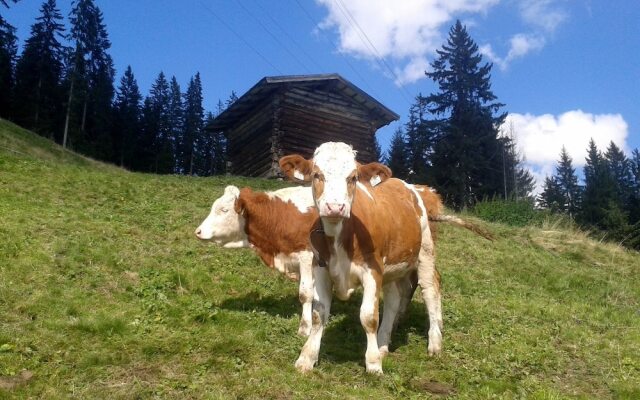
point(274, 37)
point(354, 69)
point(265, 59)
point(292, 39)
point(363, 35)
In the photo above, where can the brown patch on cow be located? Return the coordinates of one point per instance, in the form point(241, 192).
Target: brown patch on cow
point(12, 382)
point(273, 226)
point(433, 387)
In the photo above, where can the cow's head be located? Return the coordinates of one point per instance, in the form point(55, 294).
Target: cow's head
point(334, 174)
point(224, 224)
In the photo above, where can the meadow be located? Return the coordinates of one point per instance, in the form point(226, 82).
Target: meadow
point(106, 293)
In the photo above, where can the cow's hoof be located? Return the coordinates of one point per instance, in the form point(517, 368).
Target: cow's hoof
point(304, 365)
point(375, 369)
point(435, 342)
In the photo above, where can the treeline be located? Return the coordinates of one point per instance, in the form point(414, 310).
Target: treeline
point(62, 87)
point(452, 139)
point(608, 199)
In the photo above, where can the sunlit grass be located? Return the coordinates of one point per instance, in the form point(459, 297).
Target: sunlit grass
point(105, 292)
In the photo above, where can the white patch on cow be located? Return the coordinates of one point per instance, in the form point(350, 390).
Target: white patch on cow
point(424, 223)
point(364, 189)
point(298, 175)
point(300, 196)
point(375, 180)
point(341, 269)
point(224, 225)
point(432, 190)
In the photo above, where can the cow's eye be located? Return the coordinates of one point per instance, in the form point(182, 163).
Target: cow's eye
point(224, 210)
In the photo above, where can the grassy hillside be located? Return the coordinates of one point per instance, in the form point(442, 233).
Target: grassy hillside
point(105, 292)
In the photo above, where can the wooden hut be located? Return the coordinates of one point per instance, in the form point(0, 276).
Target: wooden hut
point(294, 114)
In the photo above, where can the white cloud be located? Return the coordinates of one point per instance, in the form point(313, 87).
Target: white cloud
point(407, 32)
point(519, 46)
point(540, 137)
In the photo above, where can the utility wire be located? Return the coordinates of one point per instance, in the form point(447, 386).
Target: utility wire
point(222, 21)
point(363, 36)
point(291, 38)
point(274, 37)
point(354, 69)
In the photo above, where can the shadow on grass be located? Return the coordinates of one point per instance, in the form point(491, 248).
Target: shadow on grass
point(344, 339)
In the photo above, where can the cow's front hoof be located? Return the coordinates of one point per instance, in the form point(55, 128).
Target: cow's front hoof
point(374, 368)
point(304, 365)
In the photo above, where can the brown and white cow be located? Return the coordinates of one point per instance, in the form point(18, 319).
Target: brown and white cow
point(276, 225)
point(378, 239)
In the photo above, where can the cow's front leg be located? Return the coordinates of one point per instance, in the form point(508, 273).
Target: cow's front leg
point(369, 316)
point(305, 292)
point(320, 315)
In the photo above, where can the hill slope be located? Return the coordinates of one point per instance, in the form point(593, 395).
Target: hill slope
point(105, 292)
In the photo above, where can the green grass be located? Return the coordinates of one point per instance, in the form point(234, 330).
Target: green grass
point(106, 293)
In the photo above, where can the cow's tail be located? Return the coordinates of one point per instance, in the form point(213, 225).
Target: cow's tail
point(452, 219)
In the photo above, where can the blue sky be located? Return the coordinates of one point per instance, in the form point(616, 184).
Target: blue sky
point(566, 70)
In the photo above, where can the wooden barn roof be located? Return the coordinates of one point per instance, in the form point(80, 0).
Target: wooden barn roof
point(269, 85)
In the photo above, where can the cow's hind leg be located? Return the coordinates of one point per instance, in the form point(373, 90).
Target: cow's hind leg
point(429, 281)
point(397, 296)
point(321, 308)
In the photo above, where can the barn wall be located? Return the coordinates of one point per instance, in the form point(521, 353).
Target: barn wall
point(311, 117)
point(250, 142)
point(297, 120)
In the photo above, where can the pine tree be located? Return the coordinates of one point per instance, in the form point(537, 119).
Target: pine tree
point(621, 173)
point(552, 197)
point(90, 81)
point(397, 155)
point(127, 115)
point(192, 155)
point(38, 94)
point(176, 122)
point(419, 142)
point(568, 181)
point(467, 160)
point(599, 208)
point(144, 156)
point(8, 50)
point(634, 207)
point(161, 148)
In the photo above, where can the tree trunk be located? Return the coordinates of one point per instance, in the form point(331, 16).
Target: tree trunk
point(66, 122)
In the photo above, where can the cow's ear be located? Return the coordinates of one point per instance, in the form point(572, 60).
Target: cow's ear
point(232, 191)
point(373, 173)
point(241, 201)
point(296, 168)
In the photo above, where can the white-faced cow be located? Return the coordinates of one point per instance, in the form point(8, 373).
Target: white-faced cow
point(276, 225)
point(378, 238)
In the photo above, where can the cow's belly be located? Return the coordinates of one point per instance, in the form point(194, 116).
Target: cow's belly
point(288, 264)
point(396, 271)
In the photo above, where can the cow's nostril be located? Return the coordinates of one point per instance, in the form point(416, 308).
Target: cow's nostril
point(341, 207)
point(198, 232)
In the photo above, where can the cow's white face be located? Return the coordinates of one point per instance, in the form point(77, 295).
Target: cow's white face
point(333, 179)
point(223, 225)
